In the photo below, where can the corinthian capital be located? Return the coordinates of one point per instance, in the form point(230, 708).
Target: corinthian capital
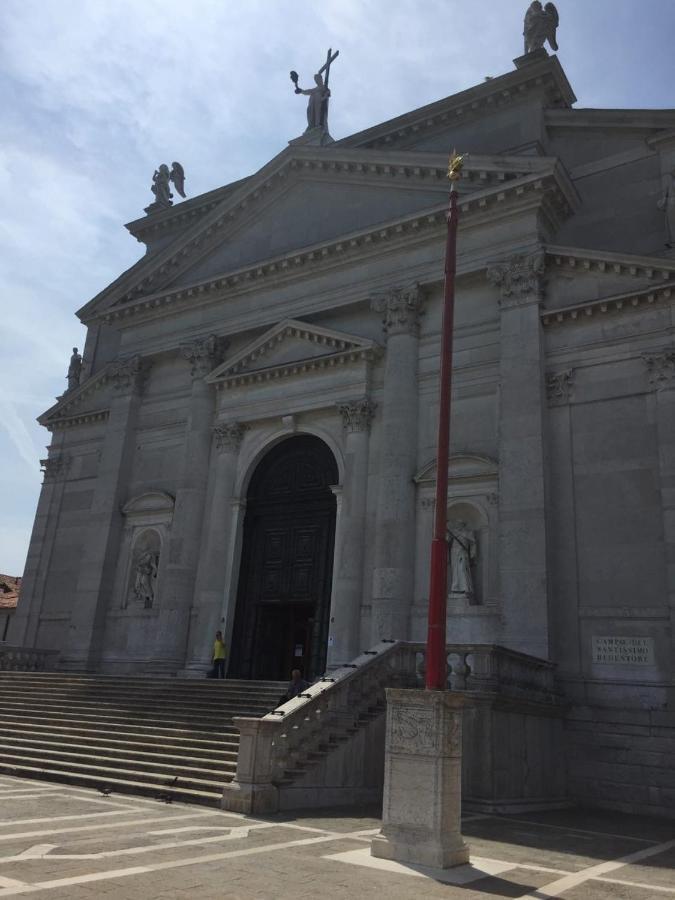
point(128, 375)
point(229, 436)
point(55, 466)
point(202, 354)
point(661, 369)
point(401, 309)
point(357, 414)
point(520, 278)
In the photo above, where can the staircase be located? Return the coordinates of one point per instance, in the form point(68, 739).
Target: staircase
point(126, 734)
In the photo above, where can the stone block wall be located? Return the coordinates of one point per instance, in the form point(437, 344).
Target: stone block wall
point(622, 759)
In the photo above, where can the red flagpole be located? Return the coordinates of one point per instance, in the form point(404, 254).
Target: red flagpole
point(436, 661)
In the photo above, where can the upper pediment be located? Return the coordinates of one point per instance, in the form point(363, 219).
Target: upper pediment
point(305, 196)
point(79, 406)
point(292, 347)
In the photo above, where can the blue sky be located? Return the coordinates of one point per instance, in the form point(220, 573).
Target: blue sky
point(96, 93)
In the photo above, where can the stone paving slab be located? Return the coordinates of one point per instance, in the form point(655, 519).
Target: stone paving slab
point(68, 843)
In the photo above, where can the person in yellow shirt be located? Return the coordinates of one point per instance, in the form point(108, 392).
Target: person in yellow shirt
point(218, 656)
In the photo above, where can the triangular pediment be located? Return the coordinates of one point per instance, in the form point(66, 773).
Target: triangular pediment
point(304, 197)
point(83, 404)
point(292, 347)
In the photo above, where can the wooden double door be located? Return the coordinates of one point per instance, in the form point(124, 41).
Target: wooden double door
point(283, 602)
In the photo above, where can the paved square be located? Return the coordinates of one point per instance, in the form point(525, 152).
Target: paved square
point(72, 843)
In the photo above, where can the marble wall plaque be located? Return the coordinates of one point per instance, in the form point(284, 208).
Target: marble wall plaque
point(623, 651)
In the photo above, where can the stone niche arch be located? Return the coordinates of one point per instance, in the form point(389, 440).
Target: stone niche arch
point(473, 495)
point(142, 557)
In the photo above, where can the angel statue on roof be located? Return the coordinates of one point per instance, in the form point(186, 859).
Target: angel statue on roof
point(161, 182)
point(541, 23)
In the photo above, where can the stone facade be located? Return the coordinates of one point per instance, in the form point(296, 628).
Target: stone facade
point(255, 317)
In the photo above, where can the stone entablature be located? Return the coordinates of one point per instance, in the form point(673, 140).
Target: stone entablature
point(617, 303)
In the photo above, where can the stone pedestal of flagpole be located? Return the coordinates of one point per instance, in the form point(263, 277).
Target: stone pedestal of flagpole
point(422, 780)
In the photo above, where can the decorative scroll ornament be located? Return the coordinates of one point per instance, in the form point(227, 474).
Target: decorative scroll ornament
point(128, 375)
point(229, 436)
point(55, 466)
point(661, 369)
point(519, 278)
point(357, 414)
point(202, 354)
point(559, 386)
point(401, 309)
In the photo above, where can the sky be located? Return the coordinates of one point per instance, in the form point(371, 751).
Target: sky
point(96, 93)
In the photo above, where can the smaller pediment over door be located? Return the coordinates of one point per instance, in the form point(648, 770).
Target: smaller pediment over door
point(291, 348)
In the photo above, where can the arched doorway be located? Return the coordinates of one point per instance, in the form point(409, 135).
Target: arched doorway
point(283, 600)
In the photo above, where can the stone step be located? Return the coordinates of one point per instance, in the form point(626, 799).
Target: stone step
point(147, 715)
point(216, 759)
point(228, 746)
point(132, 734)
point(131, 771)
point(229, 738)
point(120, 727)
point(166, 766)
point(118, 785)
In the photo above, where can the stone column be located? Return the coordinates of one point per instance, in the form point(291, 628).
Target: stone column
point(99, 555)
point(347, 593)
point(186, 529)
point(523, 583)
point(395, 518)
point(211, 603)
point(422, 804)
point(26, 622)
point(661, 372)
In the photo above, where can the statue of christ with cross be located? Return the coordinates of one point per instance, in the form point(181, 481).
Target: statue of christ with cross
point(317, 105)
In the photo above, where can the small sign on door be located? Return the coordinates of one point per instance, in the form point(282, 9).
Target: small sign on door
point(299, 650)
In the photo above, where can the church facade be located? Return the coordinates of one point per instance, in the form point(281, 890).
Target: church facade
point(251, 443)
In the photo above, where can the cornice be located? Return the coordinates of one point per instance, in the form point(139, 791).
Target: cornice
point(425, 224)
point(157, 269)
point(85, 418)
point(642, 298)
point(496, 93)
point(611, 261)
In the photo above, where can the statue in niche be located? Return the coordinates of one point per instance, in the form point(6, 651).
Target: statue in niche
point(666, 204)
point(161, 186)
point(317, 105)
point(463, 554)
point(541, 24)
point(145, 578)
point(74, 370)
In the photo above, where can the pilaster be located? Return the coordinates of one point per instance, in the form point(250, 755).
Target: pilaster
point(661, 374)
point(401, 309)
point(350, 538)
point(211, 607)
point(522, 516)
point(186, 532)
point(99, 556)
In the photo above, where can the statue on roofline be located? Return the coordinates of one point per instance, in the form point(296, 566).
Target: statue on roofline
point(317, 105)
point(161, 181)
point(74, 370)
point(541, 23)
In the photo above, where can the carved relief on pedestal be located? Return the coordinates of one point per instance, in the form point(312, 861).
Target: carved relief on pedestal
point(661, 369)
point(412, 729)
point(401, 309)
point(229, 436)
point(519, 278)
point(55, 466)
point(559, 387)
point(357, 414)
point(202, 354)
point(128, 375)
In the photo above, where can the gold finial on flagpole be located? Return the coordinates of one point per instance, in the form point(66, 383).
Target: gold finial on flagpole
point(455, 165)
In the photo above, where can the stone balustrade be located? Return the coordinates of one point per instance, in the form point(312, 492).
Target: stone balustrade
point(26, 659)
point(279, 748)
